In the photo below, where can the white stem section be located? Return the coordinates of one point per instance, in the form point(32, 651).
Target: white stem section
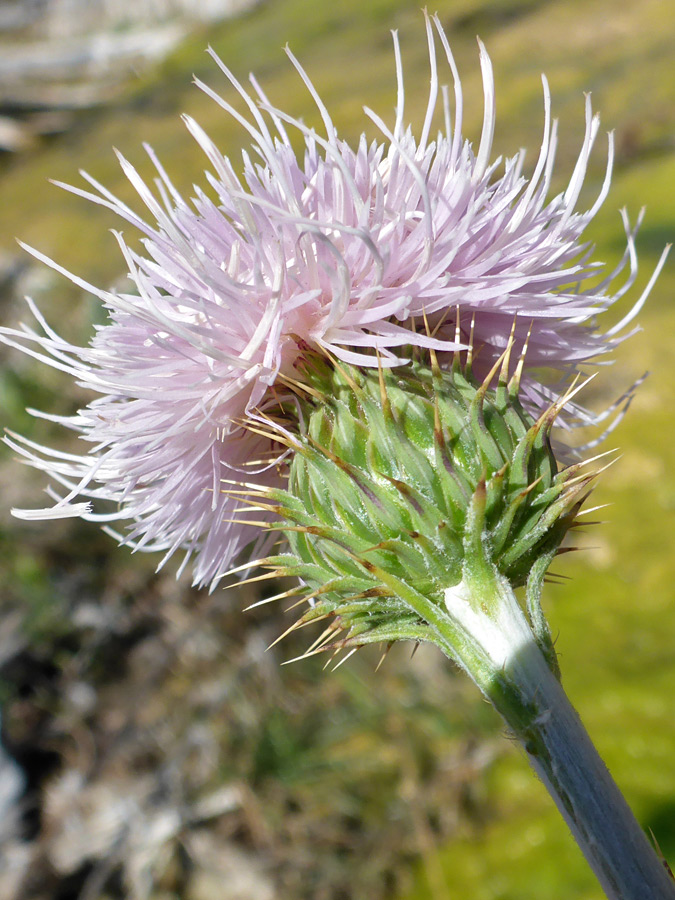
point(501, 632)
point(532, 701)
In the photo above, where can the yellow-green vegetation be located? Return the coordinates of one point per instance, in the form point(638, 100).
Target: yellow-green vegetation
point(615, 617)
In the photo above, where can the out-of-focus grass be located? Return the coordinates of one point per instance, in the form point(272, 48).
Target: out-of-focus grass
point(616, 617)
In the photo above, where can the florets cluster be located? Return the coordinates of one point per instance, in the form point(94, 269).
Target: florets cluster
point(342, 249)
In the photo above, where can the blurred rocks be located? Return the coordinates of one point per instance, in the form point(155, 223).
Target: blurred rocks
point(12, 786)
point(60, 56)
point(225, 872)
point(148, 753)
point(66, 18)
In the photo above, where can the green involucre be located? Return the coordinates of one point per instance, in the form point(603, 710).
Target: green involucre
point(405, 481)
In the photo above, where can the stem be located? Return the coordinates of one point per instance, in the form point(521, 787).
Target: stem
point(530, 698)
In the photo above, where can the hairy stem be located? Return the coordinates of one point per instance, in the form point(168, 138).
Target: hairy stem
point(533, 703)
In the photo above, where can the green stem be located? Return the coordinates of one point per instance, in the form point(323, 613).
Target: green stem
point(531, 699)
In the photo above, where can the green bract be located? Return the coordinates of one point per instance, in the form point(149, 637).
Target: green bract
point(406, 481)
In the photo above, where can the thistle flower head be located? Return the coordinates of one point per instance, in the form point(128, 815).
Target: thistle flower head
point(345, 250)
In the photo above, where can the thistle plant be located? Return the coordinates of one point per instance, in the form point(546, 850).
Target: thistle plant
point(360, 368)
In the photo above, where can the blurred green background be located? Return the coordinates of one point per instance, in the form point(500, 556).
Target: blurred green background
point(116, 682)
